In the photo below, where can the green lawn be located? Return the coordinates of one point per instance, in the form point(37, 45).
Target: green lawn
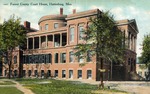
point(50, 86)
point(57, 86)
point(9, 90)
point(6, 83)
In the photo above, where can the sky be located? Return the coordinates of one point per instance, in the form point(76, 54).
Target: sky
point(33, 10)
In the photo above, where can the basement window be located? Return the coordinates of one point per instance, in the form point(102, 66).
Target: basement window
point(80, 74)
point(63, 73)
point(56, 73)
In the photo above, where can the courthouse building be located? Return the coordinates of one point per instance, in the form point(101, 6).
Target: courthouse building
point(49, 50)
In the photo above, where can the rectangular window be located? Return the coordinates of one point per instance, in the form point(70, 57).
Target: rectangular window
point(81, 32)
point(89, 56)
point(5, 60)
point(71, 56)
point(46, 26)
point(63, 73)
point(79, 74)
point(140, 73)
point(49, 73)
point(35, 73)
point(15, 73)
point(129, 61)
point(5, 72)
point(55, 25)
point(56, 57)
point(15, 59)
point(70, 73)
point(63, 57)
point(81, 59)
point(89, 74)
point(42, 73)
point(24, 73)
point(29, 73)
point(72, 34)
point(56, 73)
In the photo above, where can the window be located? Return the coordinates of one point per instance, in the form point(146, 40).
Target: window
point(15, 73)
point(79, 74)
point(56, 73)
point(5, 73)
point(129, 61)
point(5, 60)
point(81, 59)
point(10, 73)
point(71, 56)
point(89, 74)
point(81, 32)
point(35, 73)
point(29, 73)
point(89, 56)
point(56, 57)
point(55, 25)
point(24, 73)
point(72, 34)
point(63, 57)
point(63, 73)
point(140, 73)
point(46, 26)
point(15, 59)
point(70, 73)
point(42, 73)
point(49, 73)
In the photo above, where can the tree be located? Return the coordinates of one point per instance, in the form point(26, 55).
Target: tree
point(145, 55)
point(102, 39)
point(12, 35)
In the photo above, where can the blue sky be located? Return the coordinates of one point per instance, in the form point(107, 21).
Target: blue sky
point(121, 9)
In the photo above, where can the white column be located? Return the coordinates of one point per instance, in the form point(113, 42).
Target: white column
point(33, 42)
point(132, 42)
point(68, 35)
point(135, 44)
point(46, 41)
point(27, 43)
point(130, 45)
point(39, 42)
point(53, 40)
point(60, 39)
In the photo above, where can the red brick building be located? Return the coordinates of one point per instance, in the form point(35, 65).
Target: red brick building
point(49, 50)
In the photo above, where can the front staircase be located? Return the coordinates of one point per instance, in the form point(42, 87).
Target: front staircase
point(135, 77)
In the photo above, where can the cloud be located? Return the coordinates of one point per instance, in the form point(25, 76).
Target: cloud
point(118, 13)
point(99, 7)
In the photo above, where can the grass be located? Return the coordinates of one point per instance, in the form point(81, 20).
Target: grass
point(9, 90)
point(63, 87)
point(6, 83)
point(57, 87)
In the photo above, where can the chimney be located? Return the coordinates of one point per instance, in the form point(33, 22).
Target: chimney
point(74, 11)
point(27, 24)
point(61, 11)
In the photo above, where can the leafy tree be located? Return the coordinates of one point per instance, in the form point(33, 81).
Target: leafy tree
point(145, 56)
point(12, 35)
point(102, 39)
